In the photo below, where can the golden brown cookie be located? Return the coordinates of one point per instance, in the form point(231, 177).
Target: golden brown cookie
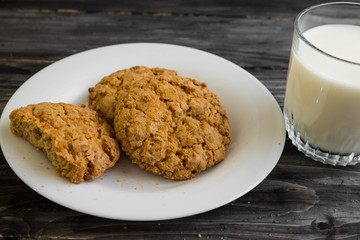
point(172, 126)
point(77, 141)
point(102, 97)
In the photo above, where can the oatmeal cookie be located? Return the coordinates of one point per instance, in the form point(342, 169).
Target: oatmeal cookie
point(102, 97)
point(78, 142)
point(172, 126)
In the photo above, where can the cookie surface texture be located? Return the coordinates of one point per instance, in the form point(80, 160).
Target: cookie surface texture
point(102, 97)
point(78, 142)
point(172, 126)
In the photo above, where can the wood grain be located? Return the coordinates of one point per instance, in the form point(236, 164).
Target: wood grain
point(227, 8)
point(300, 199)
point(247, 42)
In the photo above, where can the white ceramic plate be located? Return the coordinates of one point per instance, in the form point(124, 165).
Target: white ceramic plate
point(127, 192)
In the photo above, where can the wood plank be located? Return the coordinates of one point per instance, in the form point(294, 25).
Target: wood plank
point(247, 42)
point(274, 207)
point(227, 8)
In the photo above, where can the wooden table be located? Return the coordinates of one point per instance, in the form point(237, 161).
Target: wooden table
point(300, 198)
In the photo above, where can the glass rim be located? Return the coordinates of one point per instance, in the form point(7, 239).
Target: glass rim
point(302, 37)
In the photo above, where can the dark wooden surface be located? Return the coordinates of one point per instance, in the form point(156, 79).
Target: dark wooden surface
point(300, 199)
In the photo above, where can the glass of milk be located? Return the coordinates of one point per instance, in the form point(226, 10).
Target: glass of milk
point(322, 100)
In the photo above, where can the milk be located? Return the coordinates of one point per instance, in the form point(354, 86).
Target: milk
point(323, 93)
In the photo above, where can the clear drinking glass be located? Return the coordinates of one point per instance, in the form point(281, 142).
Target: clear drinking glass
point(322, 100)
